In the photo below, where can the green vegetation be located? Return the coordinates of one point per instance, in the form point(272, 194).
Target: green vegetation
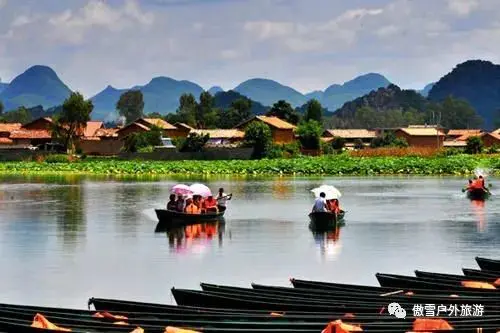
point(131, 105)
point(143, 141)
point(193, 143)
point(309, 133)
point(341, 164)
point(258, 136)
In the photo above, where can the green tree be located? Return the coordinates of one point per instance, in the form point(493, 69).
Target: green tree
point(314, 111)
point(1, 108)
point(137, 141)
point(154, 115)
point(474, 145)
point(338, 143)
point(206, 115)
point(258, 135)
point(454, 113)
point(194, 143)
point(309, 133)
point(21, 115)
point(131, 105)
point(73, 119)
point(285, 111)
point(240, 110)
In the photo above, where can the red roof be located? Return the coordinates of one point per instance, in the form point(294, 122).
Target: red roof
point(6, 141)
point(92, 127)
point(30, 134)
point(9, 127)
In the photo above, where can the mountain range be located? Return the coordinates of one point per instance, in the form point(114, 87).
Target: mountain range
point(475, 81)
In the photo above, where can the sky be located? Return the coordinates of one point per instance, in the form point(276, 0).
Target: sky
point(305, 44)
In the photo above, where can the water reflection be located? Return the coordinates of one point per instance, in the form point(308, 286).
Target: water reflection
point(193, 237)
point(328, 242)
point(478, 209)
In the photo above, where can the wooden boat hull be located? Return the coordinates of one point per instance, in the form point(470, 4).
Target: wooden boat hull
point(487, 264)
point(326, 220)
point(175, 219)
point(472, 273)
point(477, 194)
point(401, 281)
point(452, 277)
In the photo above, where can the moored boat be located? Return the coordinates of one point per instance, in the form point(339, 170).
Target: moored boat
point(487, 264)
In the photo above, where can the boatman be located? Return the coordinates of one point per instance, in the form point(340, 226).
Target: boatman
point(223, 197)
point(320, 204)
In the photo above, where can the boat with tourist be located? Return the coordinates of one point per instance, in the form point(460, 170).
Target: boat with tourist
point(477, 189)
point(326, 213)
point(193, 204)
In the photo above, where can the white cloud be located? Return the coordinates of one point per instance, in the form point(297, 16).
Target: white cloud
point(269, 29)
point(463, 7)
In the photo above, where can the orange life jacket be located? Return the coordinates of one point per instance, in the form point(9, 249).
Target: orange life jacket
point(192, 209)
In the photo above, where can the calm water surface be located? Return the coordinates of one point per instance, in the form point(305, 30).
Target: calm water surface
point(63, 240)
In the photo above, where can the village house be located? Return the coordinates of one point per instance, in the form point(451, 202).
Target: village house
point(421, 136)
point(182, 130)
point(144, 125)
point(282, 131)
point(491, 139)
point(104, 141)
point(222, 137)
point(35, 133)
point(351, 136)
point(5, 130)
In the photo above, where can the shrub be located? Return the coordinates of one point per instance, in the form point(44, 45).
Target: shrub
point(395, 151)
point(258, 136)
point(358, 144)
point(135, 141)
point(57, 158)
point(291, 149)
point(326, 148)
point(495, 149)
point(309, 133)
point(338, 143)
point(194, 143)
point(474, 145)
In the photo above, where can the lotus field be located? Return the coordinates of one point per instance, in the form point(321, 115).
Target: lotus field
point(326, 165)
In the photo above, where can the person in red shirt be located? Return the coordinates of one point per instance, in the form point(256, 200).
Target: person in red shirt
point(210, 204)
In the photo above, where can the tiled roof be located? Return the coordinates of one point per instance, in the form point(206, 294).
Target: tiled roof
point(186, 126)
point(134, 124)
point(352, 133)
point(465, 136)
point(9, 127)
point(221, 133)
point(30, 134)
point(6, 141)
point(159, 122)
point(276, 122)
point(461, 132)
point(424, 131)
point(106, 132)
point(47, 119)
point(92, 127)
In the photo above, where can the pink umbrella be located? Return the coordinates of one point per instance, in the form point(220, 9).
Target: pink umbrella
point(181, 189)
point(200, 189)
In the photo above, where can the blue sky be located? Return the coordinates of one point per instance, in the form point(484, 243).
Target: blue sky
point(306, 44)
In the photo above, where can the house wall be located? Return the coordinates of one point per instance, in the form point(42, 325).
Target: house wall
point(489, 141)
point(178, 133)
point(129, 130)
point(282, 136)
point(105, 146)
point(421, 141)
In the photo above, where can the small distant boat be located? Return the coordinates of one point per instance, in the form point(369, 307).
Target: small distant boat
point(326, 220)
point(477, 194)
point(173, 218)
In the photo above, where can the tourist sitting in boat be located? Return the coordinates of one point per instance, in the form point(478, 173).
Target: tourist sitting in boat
point(223, 197)
point(210, 205)
point(191, 208)
point(181, 204)
point(172, 204)
point(320, 204)
point(334, 206)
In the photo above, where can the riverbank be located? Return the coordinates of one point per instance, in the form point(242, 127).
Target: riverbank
point(325, 165)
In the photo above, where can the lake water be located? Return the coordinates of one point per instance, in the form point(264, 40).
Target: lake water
point(65, 239)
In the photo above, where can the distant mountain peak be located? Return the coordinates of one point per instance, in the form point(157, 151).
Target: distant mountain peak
point(214, 90)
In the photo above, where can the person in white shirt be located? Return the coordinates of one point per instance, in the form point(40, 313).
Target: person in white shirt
point(320, 204)
point(222, 198)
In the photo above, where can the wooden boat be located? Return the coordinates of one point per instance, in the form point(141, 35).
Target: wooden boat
point(173, 219)
point(477, 194)
point(357, 289)
point(452, 277)
point(345, 299)
point(479, 273)
point(488, 264)
point(402, 281)
point(326, 220)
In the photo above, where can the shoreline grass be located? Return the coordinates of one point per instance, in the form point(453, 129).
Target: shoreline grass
point(331, 165)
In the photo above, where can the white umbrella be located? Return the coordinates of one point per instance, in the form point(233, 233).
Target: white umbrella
point(181, 189)
point(330, 191)
point(200, 189)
